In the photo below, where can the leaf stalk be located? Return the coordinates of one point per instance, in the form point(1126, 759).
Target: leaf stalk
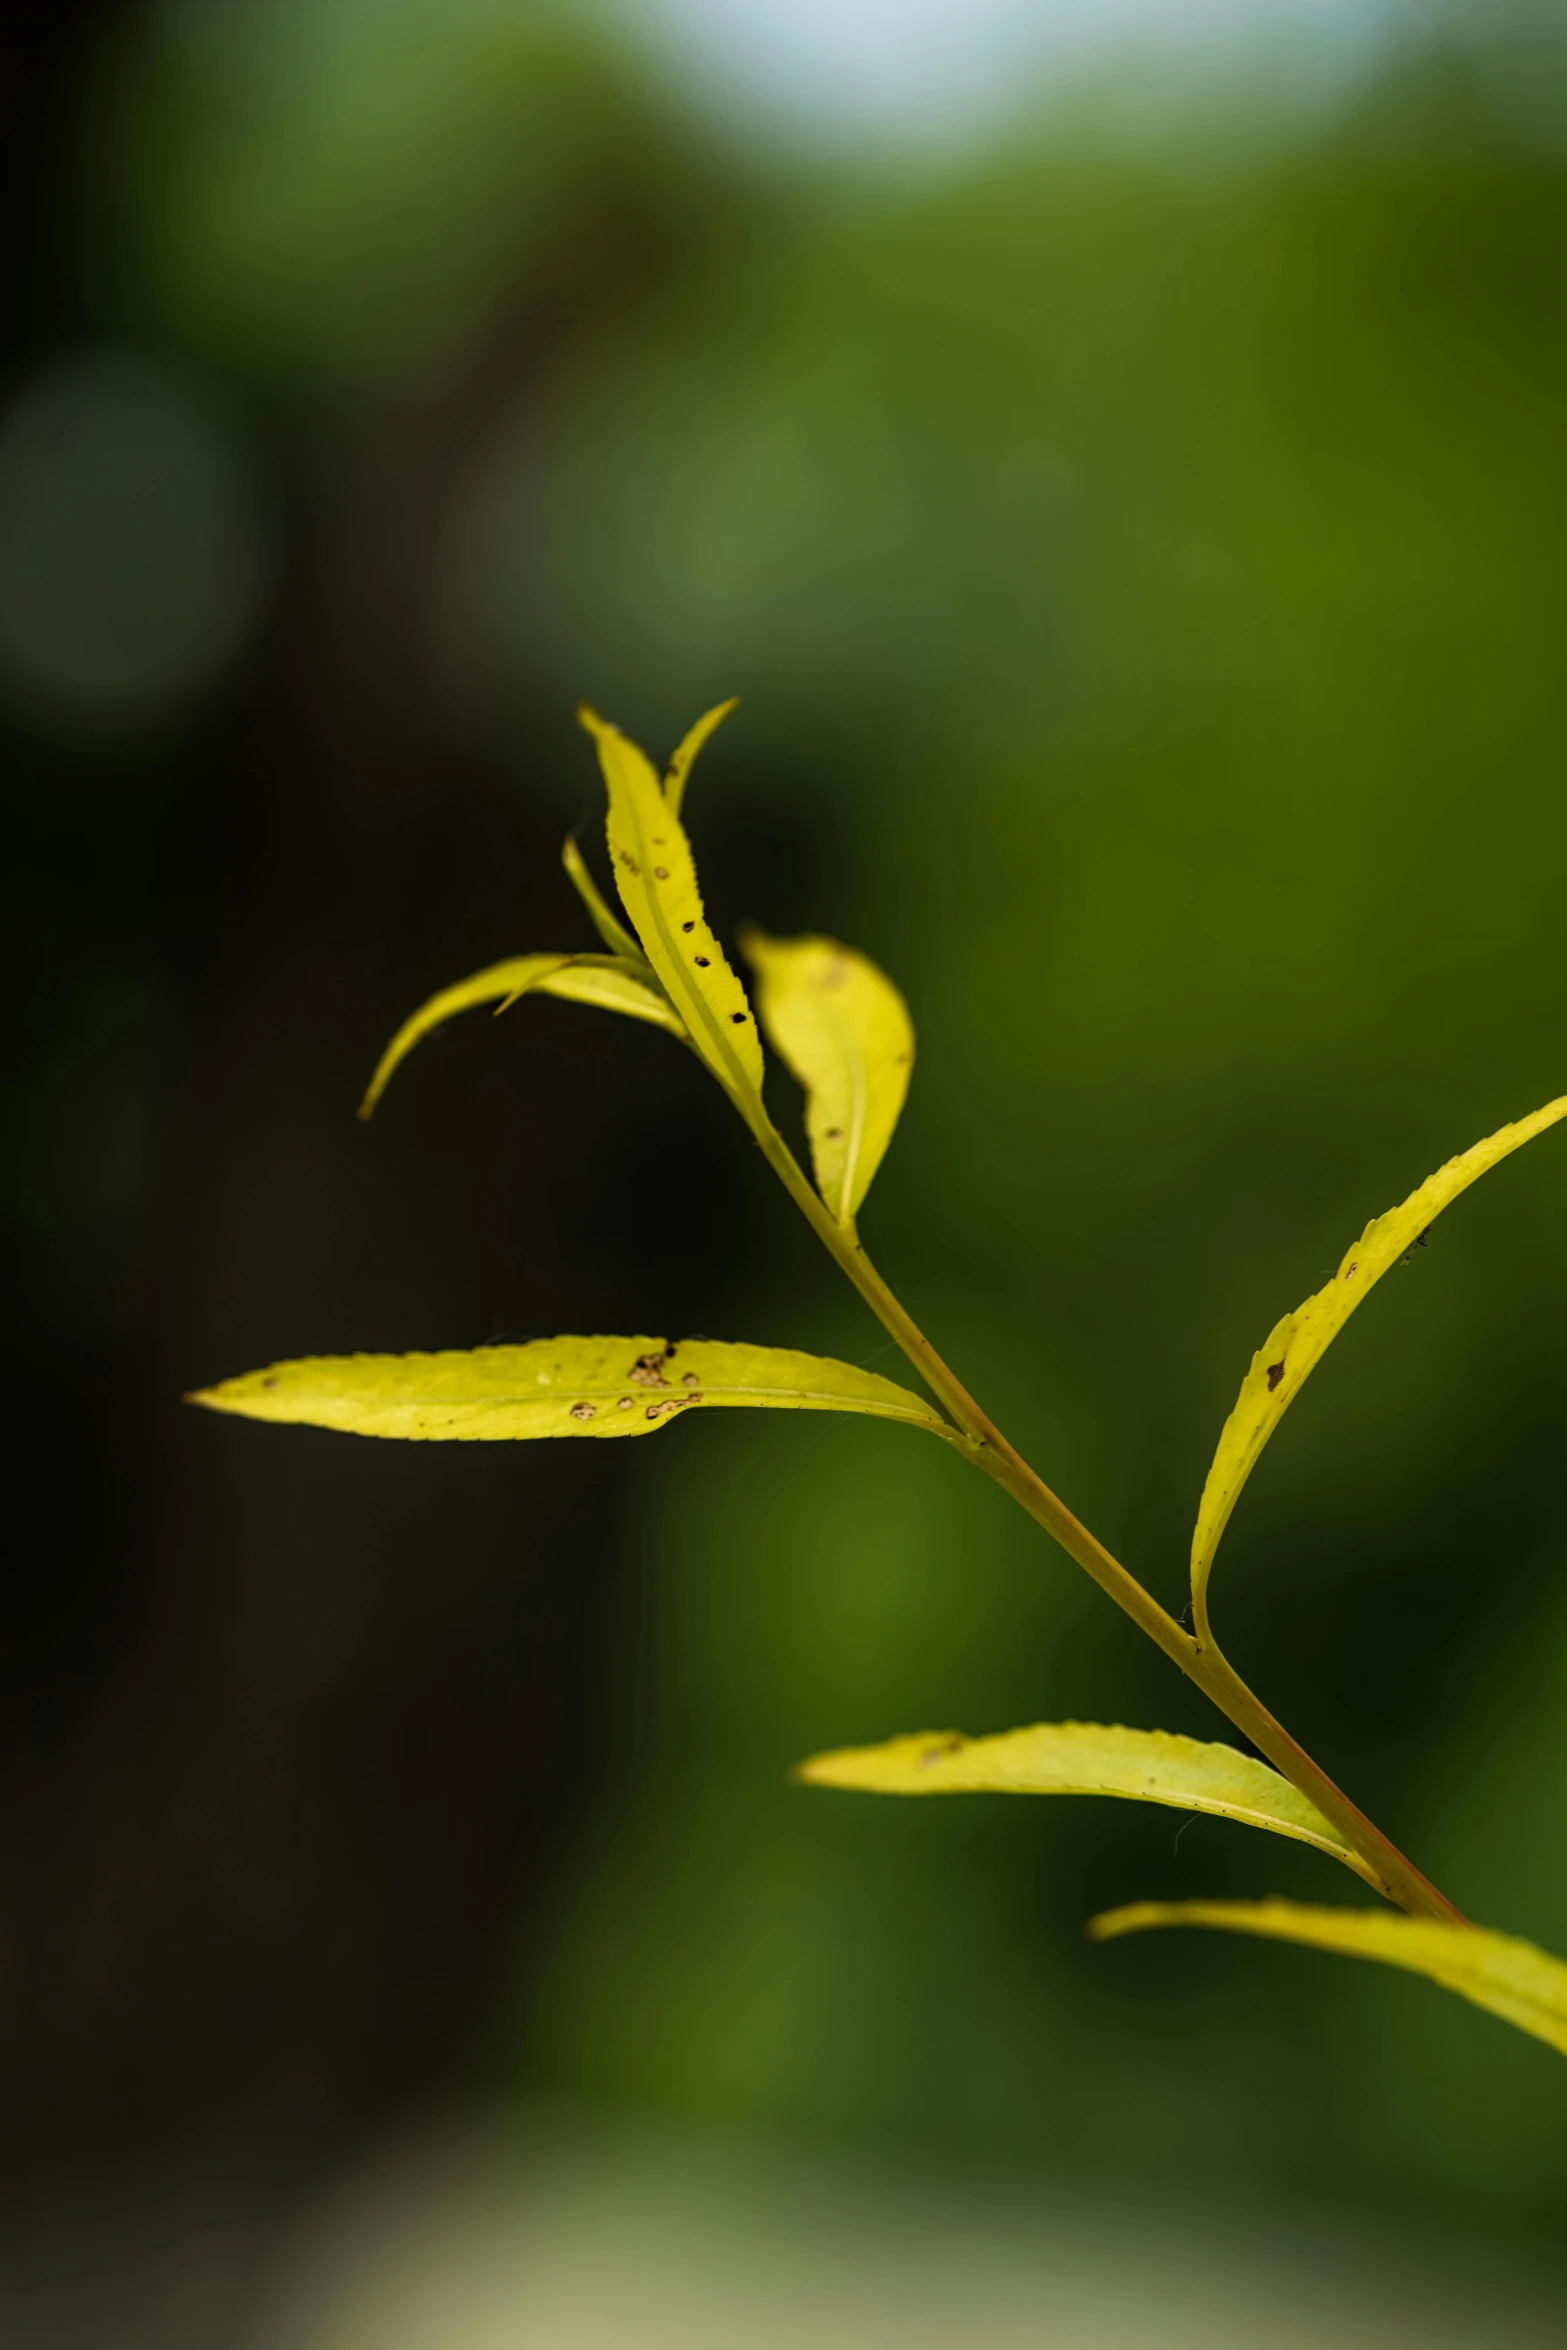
point(1198, 1655)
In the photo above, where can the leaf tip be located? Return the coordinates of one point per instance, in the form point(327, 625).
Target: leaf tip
point(1131, 1918)
point(684, 759)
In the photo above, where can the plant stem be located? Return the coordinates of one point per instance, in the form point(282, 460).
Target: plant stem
point(1198, 1656)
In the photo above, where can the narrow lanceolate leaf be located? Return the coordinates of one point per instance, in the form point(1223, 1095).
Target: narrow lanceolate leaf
point(602, 980)
point(1296, 1345)
point(559, 1387)
point(844, 1031)
point(609, 984)
point(655, 874)
point(1088, 1758)
point(1523, 1985)
point(685, 757)
point(615, 935)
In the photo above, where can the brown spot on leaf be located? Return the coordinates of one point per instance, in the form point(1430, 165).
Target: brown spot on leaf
point(1275, 1374)
point(937, 1748)
point(738, 1018)
point(702, 963)
point(270, 1380)
point(628, 860)
point(626, 1403)
point(688, 926)
point(583, 1411)
point(661, 873)
point(648, 1371)
point(834, 1133)
point(692, 1379)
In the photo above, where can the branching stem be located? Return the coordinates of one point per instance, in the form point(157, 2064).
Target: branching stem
point(1198, 1655)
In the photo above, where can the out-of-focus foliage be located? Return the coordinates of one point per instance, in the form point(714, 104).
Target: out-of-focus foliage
point(349, 194)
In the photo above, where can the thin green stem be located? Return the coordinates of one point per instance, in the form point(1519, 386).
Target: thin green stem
point(1198, 1655)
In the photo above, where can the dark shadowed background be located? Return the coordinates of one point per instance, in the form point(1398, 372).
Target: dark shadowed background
point(1134, 511)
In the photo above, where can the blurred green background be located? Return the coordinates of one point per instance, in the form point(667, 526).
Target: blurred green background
point(1137, 526)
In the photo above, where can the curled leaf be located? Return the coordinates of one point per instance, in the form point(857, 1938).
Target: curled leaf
point(843, 1030)
point(685, 757)
point(1523, 1985)
point(559, 1387)
point(655, 874)
point(601, 980)
point(1297, 1344)
point(1089, 1758)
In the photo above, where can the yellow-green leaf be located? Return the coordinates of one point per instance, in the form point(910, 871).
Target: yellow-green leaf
point(1088, 1758)
point(655, 874)
point(559, 1387)
point(1523, 1985)
point(609, 984)
point(685, 757)
point(844, 1032)
point(600, 980)
point(1296, 1345)
point(615, 935)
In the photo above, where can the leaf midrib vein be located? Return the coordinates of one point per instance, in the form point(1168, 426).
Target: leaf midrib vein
point(739, 1081)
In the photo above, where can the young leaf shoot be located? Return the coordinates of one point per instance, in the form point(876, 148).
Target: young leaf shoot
point(655, 874)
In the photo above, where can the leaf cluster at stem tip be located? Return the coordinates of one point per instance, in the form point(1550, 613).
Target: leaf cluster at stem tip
point(844, 1032)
